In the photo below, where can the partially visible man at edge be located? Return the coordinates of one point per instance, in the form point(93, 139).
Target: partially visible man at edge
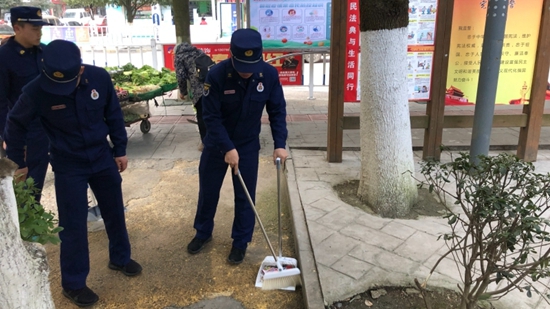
point(20, 60)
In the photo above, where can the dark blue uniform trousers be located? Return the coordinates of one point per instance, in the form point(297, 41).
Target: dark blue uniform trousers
point(37, 156)
point(212, 170)
point(72, 204)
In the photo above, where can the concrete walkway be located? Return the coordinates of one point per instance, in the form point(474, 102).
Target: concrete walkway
point(342, 250)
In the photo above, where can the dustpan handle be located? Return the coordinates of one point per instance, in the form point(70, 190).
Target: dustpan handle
point(256, 214)
point(278, 163)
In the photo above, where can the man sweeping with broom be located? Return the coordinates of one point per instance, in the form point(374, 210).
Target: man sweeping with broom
point(235, 94)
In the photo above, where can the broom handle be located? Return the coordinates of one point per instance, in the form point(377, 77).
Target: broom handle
point(256, 213)
point(278, 163)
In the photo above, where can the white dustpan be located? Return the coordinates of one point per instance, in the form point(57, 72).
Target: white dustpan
point(270, 265)
point(275, 272)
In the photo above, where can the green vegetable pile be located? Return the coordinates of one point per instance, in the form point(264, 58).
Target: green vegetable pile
point(130, 78)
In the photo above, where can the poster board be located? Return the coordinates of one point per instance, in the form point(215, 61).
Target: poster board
point(420, 50)
point(290, 69)
point(518, 53)
point(292, 24)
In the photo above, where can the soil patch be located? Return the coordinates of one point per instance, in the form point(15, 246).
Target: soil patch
point(161, 199)
point(426, 205)
point(403, 298)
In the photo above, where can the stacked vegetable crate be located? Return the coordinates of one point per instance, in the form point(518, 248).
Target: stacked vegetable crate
point(135, 87)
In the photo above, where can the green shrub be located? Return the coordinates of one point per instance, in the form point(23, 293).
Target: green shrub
point(501, 232)
point(36, 223)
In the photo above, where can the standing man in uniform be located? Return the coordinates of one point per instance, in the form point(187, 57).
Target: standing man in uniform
point(78, 108)
point(235, 94)
point(20, 62)
point(186, 70)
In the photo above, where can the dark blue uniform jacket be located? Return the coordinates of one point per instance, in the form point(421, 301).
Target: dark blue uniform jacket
point(77, 125)
point(18, 66)
point(232, 108)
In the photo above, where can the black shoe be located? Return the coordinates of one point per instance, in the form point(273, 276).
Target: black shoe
point(196, 245)
point(82, 297)
point(132, 268)
point(236, 256)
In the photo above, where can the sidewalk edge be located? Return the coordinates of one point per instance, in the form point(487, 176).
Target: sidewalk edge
point(311, 287)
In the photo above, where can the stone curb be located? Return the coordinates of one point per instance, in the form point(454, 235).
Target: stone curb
point(311, 286)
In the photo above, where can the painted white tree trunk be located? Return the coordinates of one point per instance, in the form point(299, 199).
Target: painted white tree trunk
point(23, 266)
point(386, 142)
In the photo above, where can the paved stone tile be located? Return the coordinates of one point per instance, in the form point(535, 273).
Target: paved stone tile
point(313, 191)
point(395, 263)
point(427, 225)
point(337, 286)
point(313, 213)
point(419, 247)
point(307, 173)
point(333, 248)
point(352, 267)
point(182, 152)
point(336, 177)
point(372, 237)
point(164, 152)
point(338, 218)
point(161, 136)
point(302, 158)
point(398, 230)
point(378, 276)
point(435, 279)
point(316, 185)
point(327, 205)
point(516, 299)
point(447, 267)
point(366, 252)
point(318, 233)
point(372, 221)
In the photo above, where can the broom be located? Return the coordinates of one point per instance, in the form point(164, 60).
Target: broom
point(282, 278)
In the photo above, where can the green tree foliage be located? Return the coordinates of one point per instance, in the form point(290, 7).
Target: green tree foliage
point(91, 4)
point(131, 6)
point(86, 3)
point(5, 5)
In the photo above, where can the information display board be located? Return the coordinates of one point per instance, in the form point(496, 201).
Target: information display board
point(292, 24)
point(518, 54)
point(421, 38)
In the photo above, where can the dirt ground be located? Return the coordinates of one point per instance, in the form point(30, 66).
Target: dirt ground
point(402, 298)
point(426, 205)
point(161, 198)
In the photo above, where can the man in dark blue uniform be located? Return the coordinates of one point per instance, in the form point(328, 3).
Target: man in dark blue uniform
point(20, 60)
point(235, 94)
point(78, 108)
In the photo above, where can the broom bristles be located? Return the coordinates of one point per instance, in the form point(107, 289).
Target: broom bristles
point(282, 279)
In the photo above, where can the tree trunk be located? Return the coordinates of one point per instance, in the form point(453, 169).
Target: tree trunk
point(181, 21)
point(23, 266)
point(386, 141)
point(130, 14)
